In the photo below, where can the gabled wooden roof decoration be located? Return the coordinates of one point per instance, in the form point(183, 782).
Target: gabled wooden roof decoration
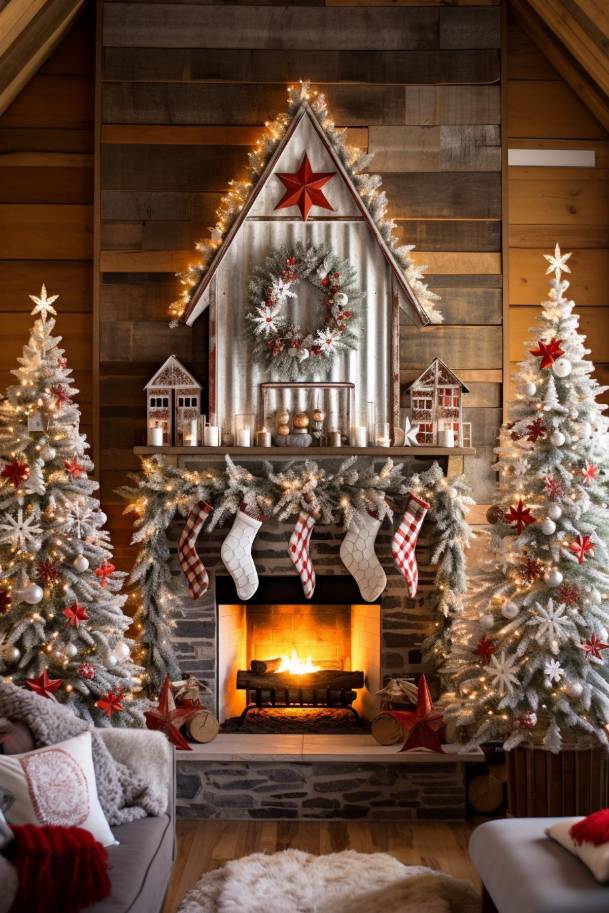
point(413, 294)
point(29, 31)
point(438, 373)
point(172, 373)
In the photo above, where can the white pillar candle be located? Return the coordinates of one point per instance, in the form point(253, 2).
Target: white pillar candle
point(192, 432)
point(211, 436)
point(361, 436)
point(244, 438)
point(446, 437)
point(156, 437)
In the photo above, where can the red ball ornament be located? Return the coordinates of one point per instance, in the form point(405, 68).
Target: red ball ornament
point(86, 671)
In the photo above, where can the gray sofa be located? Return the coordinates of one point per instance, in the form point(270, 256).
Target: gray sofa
point(523, 871)
point(140, 866)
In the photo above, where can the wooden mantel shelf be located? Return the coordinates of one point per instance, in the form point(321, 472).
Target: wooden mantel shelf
point(253, 453)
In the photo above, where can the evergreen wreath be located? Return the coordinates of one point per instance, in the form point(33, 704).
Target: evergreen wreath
point(281, 345)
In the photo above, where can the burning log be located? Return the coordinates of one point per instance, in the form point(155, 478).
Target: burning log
point(335, 679)
point(261, 666)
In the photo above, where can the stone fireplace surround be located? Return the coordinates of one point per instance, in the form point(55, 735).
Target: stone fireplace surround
point(253, 776)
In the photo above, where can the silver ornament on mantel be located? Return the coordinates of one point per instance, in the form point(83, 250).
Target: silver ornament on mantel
point(80, 564)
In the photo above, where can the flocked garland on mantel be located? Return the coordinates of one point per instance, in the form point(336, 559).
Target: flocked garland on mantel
point(284, 347)
point(369, 187)
point(162, 493)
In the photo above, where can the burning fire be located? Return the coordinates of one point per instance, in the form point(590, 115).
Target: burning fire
point(296, 666)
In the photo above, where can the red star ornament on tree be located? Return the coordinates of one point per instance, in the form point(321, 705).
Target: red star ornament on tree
point(44, 686)
point(73, 468)
point(61, 397)
point(535, 430)
point(168, 718)
point(593, 647)
point(75, 614)
point(548, 352)
point(303, 188)
point(5, 601)
point(485, 649)
point(519, 516)
point(553, 488)
point(581, 547)
point(47, 572)
point(16, 472)
point(589, 473)
point(110, 703)
point(103, 572)
point(531, 569)
point(424, 725)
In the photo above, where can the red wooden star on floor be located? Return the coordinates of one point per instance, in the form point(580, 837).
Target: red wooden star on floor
point(423, 726)
point(485, 649)
point(303, 188)
point(548, 351)
point(168, 718)
point(535, 430)
point(75, 614)
point(581, 547)
point(16, 472)
point(44, 686)
point(104, 572)
point(74, 468)
point(110, 703)
point(519, 516)
point(593, 647)
point(589, 473)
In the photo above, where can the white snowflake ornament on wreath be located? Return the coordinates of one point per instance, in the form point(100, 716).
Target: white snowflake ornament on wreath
point(265, 321)
point(328, 342)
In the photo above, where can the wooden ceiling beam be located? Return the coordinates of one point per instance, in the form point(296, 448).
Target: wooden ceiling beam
point(544, 36)
point(29, 31)
point(579, 34)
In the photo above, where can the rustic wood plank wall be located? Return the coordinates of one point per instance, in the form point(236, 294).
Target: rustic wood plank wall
point(546, 205)
point(46, 205)
point(186, 89)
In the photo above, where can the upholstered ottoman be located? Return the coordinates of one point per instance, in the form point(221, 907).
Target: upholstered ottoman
point(523, 871)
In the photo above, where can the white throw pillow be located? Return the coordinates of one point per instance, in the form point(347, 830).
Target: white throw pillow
point(54, 785)
point(595, 857)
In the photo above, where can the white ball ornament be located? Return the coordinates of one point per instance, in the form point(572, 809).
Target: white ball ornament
point(121, 651)
point(80, 563)
point(530, 389)
point(341, 299)
point(486, 620)
point(574, 689)
point(510, 610)
point(554, 511)
point(11, 654)
point(112, 660)
point(595, 597)
point(48, 453)
point(562, 367)
point(548, 527)
point(557, 438)
point(70, 650)
point(103, 518)
point(32, 594)
point(554, 577)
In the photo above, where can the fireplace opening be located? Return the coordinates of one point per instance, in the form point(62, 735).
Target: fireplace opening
point(296, 662)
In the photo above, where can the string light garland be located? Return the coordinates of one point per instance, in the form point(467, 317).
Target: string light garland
point(161, 493)
point(369, 187)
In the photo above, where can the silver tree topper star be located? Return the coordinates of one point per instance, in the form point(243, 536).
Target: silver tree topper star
point(44, 303)
point(557, 262)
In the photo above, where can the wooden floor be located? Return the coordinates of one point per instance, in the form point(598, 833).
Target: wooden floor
point(205, 845)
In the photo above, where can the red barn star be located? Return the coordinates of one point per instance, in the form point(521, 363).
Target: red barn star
point(168, 718)
point(581, 547)
point(548, 351)
point(519, 516)
point(303, 188)
point(44, 686)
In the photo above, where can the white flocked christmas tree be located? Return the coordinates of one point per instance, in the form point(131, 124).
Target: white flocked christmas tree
point(62, 628)
point(529, 658)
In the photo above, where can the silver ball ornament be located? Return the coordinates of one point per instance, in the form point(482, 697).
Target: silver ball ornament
point(112, 660)
point(80, 563)
point(70, 650)
point(574, 689)
point(557, 438)
point(11, 654)
point(562, 367)
point(595, 597)
point(121, 651)
point(48, 453)
point(486, 620)
point(103, 518)
point(510, 611)
point(554, 577)
point(530, 389)
point(32, 594)
point(554, 511)
point(548, 527)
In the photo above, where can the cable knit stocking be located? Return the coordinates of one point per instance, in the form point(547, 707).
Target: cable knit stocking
point(236, 553)
point(358, 555)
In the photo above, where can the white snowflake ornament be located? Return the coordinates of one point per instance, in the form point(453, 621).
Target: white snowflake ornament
point(502, 672)
point(21, 532)
point(266, 322)
point(553, 671)
point(44, 304)
point(554, 626)
point(328, 342)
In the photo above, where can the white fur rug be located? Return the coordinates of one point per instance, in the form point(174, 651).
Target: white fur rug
point(348, 882)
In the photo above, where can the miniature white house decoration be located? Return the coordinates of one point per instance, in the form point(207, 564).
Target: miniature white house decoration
point(436, 406)
point(173, 405)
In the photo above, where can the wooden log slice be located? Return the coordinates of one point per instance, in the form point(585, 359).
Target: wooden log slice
point(203, 727)
point(386, 729)
point(485, 793)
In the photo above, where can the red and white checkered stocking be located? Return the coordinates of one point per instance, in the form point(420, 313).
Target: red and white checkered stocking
point(191, 564)
point(299, 551)
point(405, 539)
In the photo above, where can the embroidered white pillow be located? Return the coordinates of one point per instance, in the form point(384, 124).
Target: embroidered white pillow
point(595, 857)
point(54, 785)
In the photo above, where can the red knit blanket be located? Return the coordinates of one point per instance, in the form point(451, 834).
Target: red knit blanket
point(58, 869)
